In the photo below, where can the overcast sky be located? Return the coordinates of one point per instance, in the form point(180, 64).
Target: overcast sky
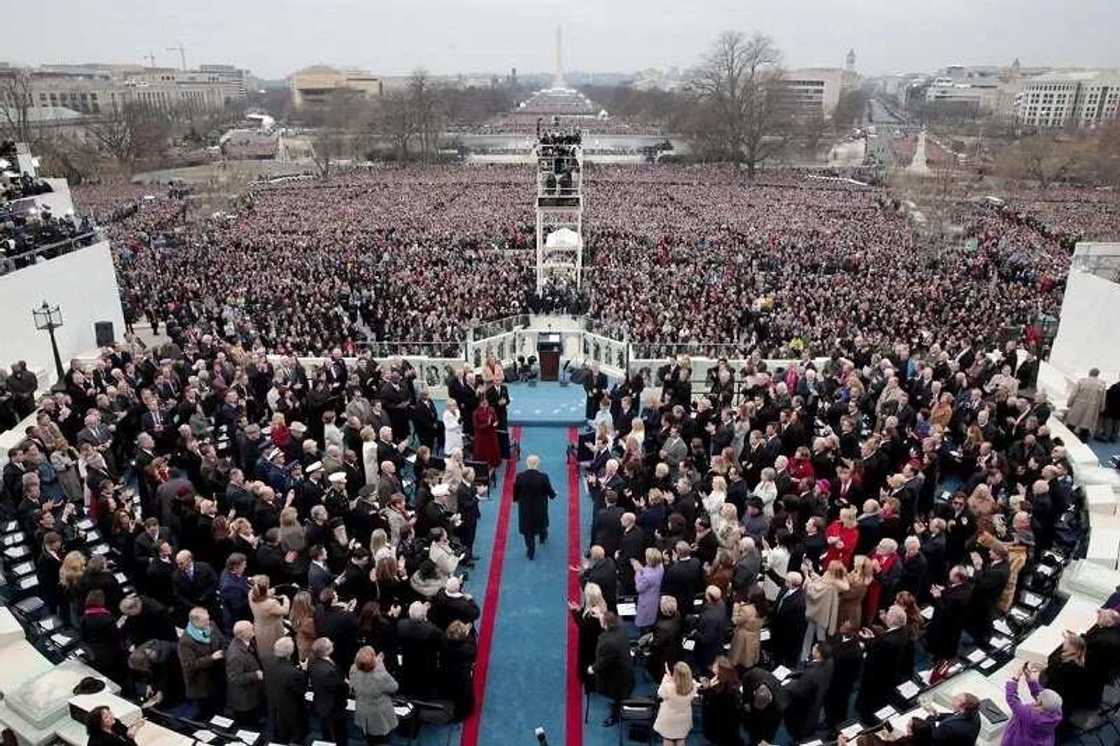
point(273, 38)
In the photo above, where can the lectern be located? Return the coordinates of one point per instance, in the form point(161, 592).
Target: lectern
point(548, 352)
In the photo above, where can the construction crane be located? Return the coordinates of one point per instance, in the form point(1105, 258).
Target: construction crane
point(182, 54)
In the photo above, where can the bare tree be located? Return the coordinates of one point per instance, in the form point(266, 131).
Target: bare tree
point(425, 101)
point(17, 107)
point(1042, 158)
point(811, 130)
point(737, 87)
point(395, 123)
point(336, 127)
point(131, 134)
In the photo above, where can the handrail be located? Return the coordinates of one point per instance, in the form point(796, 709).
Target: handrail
point(17, 262)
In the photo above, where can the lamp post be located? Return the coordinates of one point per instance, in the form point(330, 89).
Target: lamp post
point(50, 318)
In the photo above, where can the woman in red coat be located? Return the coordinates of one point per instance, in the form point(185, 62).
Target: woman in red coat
point(486, 434)
point(842, 536)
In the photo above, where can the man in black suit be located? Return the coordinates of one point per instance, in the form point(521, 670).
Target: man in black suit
point(606, 527)
point(420, 644)
point(711, 629)
point(847, 662)
point(194, 584)
point(144, 619)
point(807, 694)
point(960, 727)
point(450, 604)
point(884, 658)
point(987, 586)
point(613, 668)
point(319, 575)
point(531, 491)
point(425, 420)
point(950, 607)
point(284, 688)
point(632, 547)
point(336, 621)
point(788, 628)
point(329, 691)
point(683, 578)
point(595, 386)
point(47, 568)
point(602, 571)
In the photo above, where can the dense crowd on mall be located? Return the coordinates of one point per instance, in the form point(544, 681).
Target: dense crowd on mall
point(420, 255)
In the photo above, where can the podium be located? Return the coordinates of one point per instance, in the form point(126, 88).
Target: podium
point(548, 352)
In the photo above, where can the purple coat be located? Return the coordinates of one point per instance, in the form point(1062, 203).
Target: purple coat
point(1029, 726)
point(648, 582)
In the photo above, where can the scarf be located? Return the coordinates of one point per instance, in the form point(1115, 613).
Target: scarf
point(197, 634)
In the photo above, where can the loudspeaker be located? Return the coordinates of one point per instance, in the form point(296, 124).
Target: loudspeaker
point(103, 333)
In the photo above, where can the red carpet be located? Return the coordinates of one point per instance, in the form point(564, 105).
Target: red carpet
point(573, 709)
point(490, 600)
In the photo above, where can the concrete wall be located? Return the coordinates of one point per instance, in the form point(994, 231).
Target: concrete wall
point(1089, 329)
point(82, 284)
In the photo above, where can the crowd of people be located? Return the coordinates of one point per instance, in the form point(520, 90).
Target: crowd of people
point(824, 510)
point(280, 531)
point(782, 265)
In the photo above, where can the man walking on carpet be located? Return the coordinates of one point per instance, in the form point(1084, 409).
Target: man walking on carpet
point(531, 491)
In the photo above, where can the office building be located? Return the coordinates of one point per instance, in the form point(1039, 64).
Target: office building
point(1069, 99)
point(315, 85)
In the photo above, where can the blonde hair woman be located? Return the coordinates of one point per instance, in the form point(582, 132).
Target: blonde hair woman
point(268, 612)
point(729, 533)
point(369, 455)
point(822, 602)
point(587, 619)
point(674, 716)
point(379, 547)
point(69, 576)
point(746, 640)
point(291, 532)
point(714, 500)
point(302, 617)
point(851, 600)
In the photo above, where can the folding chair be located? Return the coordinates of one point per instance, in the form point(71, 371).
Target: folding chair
point(637, 713)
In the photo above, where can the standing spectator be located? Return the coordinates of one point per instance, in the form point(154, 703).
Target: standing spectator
point(1086, 402)
point(268, 612)
point(329, 691)
point(1031, 724)
point(285, 686)
point(373, 687)
point(674, 716)
point(201, 652)
point(244, 676)
point(647, 580)
point(613, 667)
point(720, 703)
point(822, 603)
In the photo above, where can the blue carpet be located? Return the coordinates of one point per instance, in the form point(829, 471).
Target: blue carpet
point(546, 404)
point(525, 687)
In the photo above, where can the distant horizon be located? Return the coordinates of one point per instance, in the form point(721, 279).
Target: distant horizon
point(489, 37)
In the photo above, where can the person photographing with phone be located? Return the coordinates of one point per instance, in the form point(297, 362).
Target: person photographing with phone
point(1032, 724)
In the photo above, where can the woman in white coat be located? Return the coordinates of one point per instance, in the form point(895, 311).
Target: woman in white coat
point(452, 428)
point(674, 716)
point(369, 455)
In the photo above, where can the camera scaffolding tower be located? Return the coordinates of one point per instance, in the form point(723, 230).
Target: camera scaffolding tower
point(559, 156)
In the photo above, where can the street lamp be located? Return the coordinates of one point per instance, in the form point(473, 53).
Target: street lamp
point(50, 318)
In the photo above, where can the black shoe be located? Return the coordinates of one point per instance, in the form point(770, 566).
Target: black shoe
point(529, 554)
point(612, 720)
